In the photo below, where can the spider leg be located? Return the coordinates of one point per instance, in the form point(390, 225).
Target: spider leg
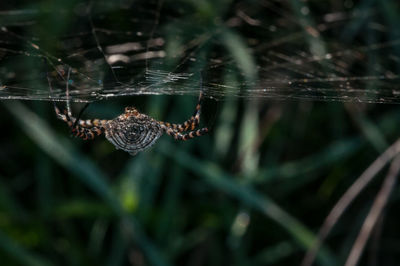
point(87, 133)
point(85, 129)
point(61, 116)
point(192, 122)
point(67, 93)
point(80, 113)
point(190, 135)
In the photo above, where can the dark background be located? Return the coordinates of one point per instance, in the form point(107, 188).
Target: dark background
point(301, 97)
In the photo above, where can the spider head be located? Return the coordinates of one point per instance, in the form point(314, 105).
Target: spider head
point(131, 111)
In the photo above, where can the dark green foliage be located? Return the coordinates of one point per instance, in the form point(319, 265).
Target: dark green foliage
point(253, 192)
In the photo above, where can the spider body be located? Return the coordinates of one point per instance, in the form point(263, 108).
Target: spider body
point(132, 131)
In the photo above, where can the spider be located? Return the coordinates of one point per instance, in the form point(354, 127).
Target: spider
point(131, 131)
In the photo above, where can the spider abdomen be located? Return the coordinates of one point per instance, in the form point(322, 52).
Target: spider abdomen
point(132, 133)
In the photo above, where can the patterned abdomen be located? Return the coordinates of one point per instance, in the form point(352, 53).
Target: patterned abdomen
point(132, 133)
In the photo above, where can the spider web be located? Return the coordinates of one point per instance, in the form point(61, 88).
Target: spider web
point(347, 51)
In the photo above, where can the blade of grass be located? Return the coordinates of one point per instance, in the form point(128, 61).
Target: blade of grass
point(84, 169)
point(241, 54)
point(369, 129)
point(117, 250)
point(9, 204)
point(272, 255)
point(170, 207)
point(63, 153)
point(339, 150)
point(348, 197)
point(374, 214)
point(19, 253)
point(215, 177)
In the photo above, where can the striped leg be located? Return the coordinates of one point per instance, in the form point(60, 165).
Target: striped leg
point(85, 129)
point(87, 133)
point(190, 135)
point(192, 122)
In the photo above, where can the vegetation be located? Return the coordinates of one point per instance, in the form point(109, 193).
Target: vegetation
point(255, 191)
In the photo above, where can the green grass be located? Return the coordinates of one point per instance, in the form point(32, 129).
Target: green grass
point(252, 192)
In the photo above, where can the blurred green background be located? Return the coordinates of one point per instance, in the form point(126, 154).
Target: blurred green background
point(254, 191)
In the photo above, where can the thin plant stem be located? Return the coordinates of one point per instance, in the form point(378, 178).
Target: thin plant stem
point(374, 214)
point(348, 197)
